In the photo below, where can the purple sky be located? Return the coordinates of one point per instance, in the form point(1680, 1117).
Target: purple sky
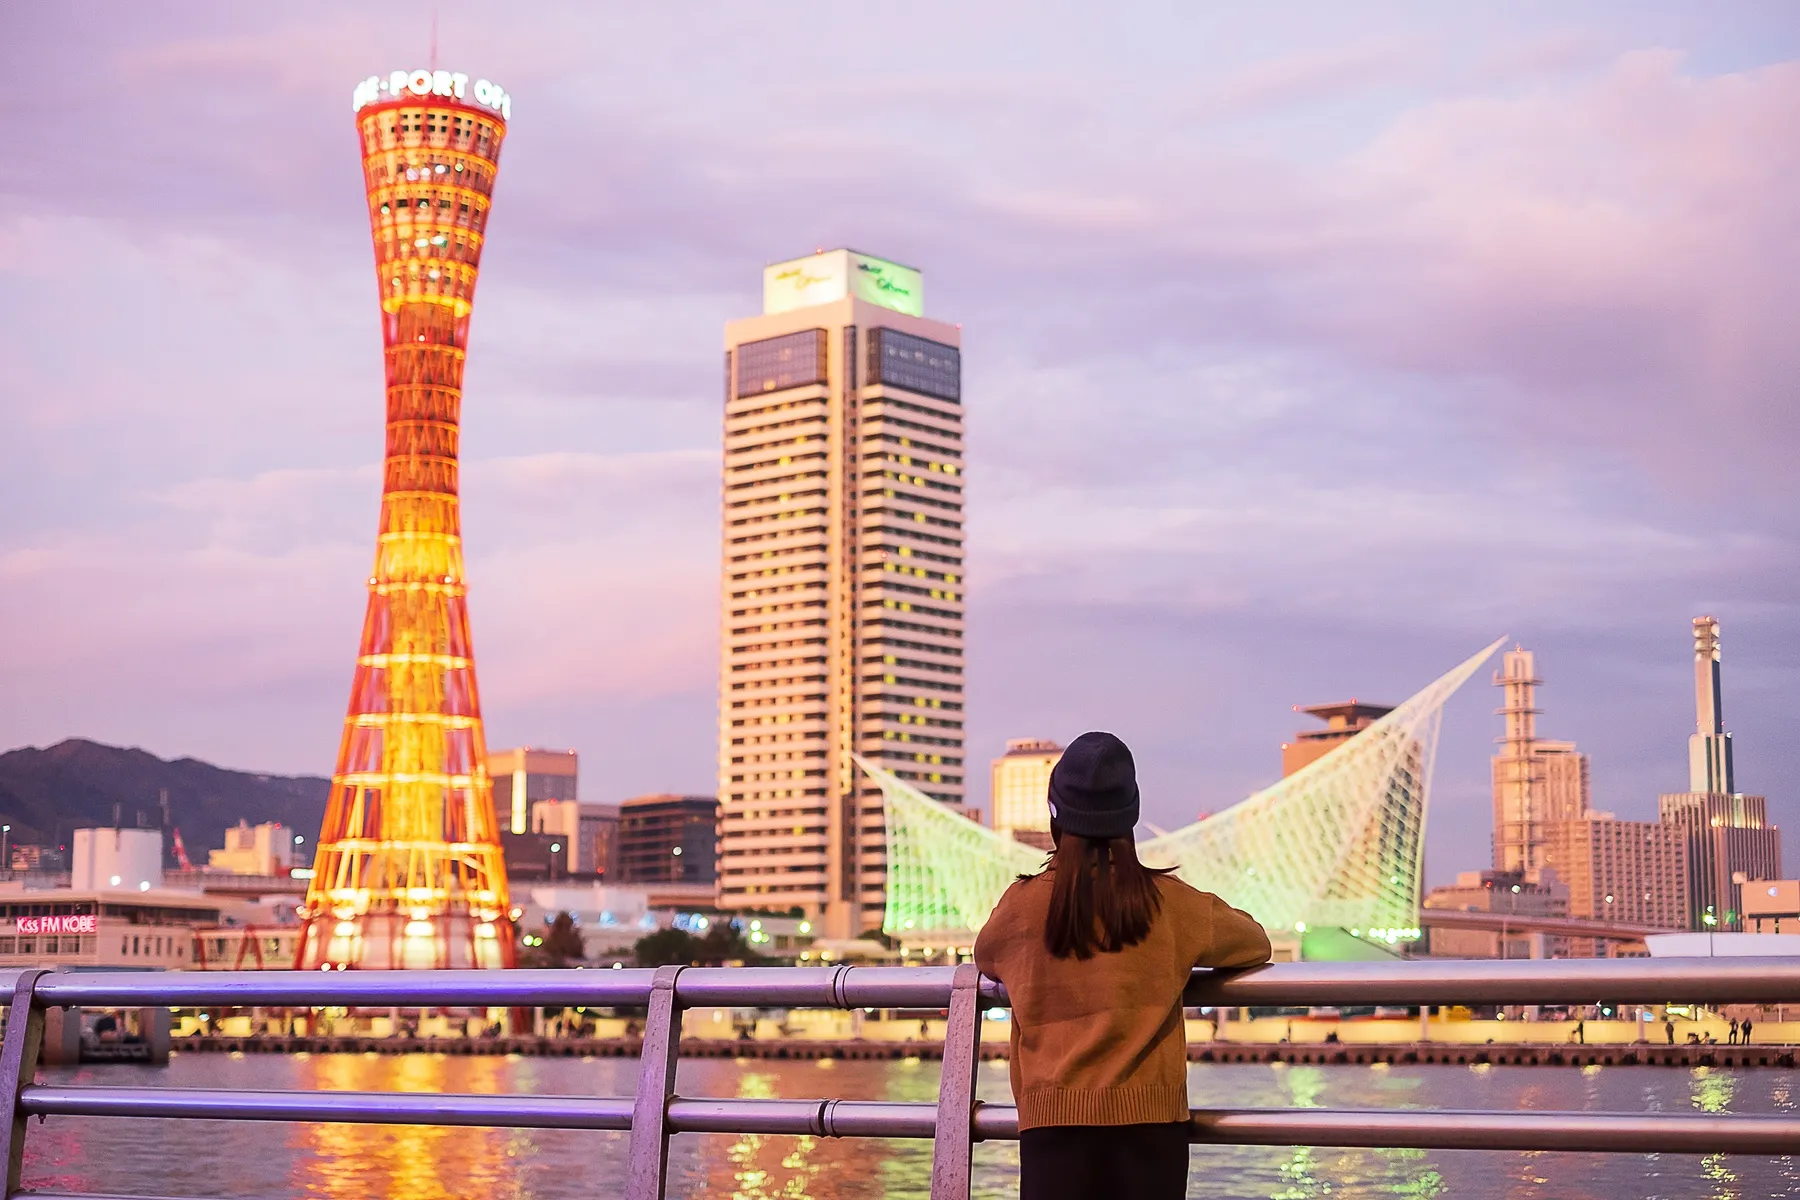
point(1306, 353)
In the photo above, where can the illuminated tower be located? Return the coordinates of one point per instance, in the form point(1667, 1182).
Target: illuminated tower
point(408, 871)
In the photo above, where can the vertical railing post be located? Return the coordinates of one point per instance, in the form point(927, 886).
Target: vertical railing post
point(18, 1066)
point(647, 1160)
point(953, 1147)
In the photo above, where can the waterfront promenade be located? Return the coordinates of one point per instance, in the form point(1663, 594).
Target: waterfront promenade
point(1347, 1053)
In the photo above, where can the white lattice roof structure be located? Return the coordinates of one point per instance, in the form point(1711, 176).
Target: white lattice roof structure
point(1336, 845)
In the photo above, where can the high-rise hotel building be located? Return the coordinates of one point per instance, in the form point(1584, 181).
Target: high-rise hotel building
point(843, 581)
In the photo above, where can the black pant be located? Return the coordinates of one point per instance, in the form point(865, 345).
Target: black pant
point(1113, 1162)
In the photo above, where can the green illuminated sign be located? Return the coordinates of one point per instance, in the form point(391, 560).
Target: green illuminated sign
point(836, 274)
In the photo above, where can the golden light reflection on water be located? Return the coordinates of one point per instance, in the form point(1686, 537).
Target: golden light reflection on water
point(765, 1167)
point(407, 1162)
point(1711, 1091)
point(300, 1162)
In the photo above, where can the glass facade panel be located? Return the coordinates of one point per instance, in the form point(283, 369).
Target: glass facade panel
point(916, 364)
point(774, 364)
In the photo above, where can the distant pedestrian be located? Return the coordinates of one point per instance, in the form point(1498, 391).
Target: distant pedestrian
point(1745, 1039)
point(1669, 1028)
point(1094, 951)
point(1579, 1033)
point(1731, 1038)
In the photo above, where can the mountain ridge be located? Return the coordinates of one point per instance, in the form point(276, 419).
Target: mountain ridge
point(47, 792)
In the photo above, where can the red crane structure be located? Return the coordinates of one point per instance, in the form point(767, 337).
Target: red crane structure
point(408, 872)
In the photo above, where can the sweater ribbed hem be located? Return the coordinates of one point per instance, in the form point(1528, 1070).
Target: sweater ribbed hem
point(1142, 1105)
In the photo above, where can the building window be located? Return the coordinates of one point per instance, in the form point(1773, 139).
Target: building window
point(774, 364)
point(916, 364)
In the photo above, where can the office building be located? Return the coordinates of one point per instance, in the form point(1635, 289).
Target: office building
point(589, 832)
point(266, 849)
point(408, 870)
point(1537, 782)
point(1730, 840)
point(535, 857)
point(1342, 722)
point(1019, 802)
point(524, 775)
point(668, 839)
point(843, 581)
point(33, 857)
point(1632, 872)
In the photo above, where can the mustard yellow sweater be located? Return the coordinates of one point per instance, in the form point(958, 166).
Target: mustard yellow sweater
point(1100, 1041)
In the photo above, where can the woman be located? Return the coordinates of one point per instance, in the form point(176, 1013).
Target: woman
point(1094, 952)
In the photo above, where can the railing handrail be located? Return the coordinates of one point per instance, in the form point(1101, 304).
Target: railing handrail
point(1767, 980)
point(954, 1122)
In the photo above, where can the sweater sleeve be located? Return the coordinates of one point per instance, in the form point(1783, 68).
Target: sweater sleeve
point(993, 933)
point(1237, 939)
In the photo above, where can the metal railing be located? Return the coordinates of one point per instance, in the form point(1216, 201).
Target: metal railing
point(954, 1123)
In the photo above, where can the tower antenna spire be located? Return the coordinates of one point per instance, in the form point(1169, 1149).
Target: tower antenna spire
point(434, 17)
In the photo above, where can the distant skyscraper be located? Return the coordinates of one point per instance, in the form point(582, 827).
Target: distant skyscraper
point(843, 581)
point(1536, 781)
point(409, 870)
point(1342, 722)
point(1709, 748)
point(668, 839)
point(1729, 838)
point(1020, 800)
point(523, 775)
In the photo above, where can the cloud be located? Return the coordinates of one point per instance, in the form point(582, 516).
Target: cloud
point(1295, 366)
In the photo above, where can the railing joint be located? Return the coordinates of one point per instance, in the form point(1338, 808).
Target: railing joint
point(647, 1156)
point(18, 1068)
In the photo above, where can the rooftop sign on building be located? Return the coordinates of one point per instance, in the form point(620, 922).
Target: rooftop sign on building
point(837, 274)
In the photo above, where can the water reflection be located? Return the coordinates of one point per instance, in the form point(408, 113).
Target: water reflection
point(330, 1162)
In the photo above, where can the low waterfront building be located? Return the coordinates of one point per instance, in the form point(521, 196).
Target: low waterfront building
point(612, 918)
point(266, 849)
point(247, 948)
point(1524, 893)
point(74, 928)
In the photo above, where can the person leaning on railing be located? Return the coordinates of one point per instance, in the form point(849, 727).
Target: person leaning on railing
point(1094, 951)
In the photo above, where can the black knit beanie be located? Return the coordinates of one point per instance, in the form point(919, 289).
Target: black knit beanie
point(1093, 790)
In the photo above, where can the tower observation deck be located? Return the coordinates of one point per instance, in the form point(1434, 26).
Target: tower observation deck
point(408, 872)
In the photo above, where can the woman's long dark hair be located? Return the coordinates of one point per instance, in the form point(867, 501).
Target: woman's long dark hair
point(1101, 897)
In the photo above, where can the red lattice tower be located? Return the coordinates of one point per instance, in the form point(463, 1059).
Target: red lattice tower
point(408, 871)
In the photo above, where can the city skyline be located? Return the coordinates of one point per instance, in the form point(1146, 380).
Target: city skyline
point(1176, 437)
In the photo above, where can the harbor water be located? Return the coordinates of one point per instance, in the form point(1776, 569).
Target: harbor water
point(292, 1162)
